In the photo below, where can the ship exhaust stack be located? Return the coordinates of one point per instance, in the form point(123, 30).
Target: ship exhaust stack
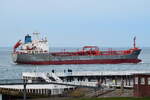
point(28, 39)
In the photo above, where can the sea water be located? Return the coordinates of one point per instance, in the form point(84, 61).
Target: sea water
point(10, 70)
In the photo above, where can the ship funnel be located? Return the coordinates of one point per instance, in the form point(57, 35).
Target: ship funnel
point(28, 39)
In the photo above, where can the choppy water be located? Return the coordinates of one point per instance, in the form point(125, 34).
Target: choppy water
point(10, 70)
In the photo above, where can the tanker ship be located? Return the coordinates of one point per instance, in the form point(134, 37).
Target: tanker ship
point(36, 52)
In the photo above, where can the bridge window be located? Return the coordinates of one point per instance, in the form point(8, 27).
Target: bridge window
point(142, 80)
point(148, 79)
point(136, 80)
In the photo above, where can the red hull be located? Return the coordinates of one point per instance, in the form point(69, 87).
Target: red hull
point(108, 61)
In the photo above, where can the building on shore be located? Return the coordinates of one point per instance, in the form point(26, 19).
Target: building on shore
point(141, 85)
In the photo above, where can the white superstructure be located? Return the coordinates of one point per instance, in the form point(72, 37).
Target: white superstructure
point(37, 45)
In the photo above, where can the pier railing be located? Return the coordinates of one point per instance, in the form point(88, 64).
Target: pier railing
point(6, 83)
point(22, 82)
point(11, 81)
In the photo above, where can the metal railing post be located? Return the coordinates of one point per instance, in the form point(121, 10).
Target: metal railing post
point(24, 90)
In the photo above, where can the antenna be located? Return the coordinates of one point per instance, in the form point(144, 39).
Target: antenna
point(36, 35)
point(134, 40)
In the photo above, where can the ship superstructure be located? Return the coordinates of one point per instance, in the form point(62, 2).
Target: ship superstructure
point(32, 46)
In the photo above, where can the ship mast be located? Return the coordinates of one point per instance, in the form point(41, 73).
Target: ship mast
point(36, 35)
point(134, 40)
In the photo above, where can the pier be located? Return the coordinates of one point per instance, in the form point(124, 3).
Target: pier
point(22, 88)
point(30, 85)
point(106, 78)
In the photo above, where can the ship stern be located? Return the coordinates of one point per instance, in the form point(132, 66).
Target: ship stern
point(14, 57)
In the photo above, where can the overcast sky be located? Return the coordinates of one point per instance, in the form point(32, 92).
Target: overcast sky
point(75, 23)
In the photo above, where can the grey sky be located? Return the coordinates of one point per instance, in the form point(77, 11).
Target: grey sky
point(106, 23)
